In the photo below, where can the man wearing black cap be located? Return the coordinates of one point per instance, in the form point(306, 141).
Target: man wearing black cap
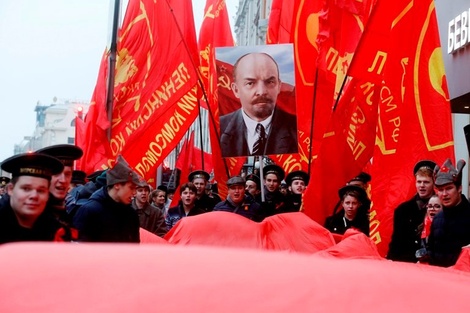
point(3, 183)
point(60, 183)
point(23, 217)
point(253, 187)
point(297, 182)
point(273, 198)
point(204, 201)
point(108, 215)
point(237, 202)
point(450, 229)
point(78, 179)
point(408, 217)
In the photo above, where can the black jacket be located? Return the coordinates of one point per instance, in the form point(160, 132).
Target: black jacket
point(101, 219)
point(450, 231)
point(408, 220)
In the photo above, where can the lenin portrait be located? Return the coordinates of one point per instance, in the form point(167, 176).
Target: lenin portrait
point(257, 109)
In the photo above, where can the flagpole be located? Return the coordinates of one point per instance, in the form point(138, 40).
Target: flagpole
point(112, 65)
point(200, 84)
point(200, 134)
point(312, 118)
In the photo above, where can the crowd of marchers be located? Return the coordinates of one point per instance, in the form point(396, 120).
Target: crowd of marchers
point(46, 200)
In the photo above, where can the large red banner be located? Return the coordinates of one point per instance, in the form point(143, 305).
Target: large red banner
point(415, 119)
point(155, 87)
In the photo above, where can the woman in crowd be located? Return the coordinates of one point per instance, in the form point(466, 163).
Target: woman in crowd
point(352, 214)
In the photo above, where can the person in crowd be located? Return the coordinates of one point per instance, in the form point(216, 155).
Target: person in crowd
point(186, 206)
point(158, 198)
point(238, 202)
point(169, 198)
point(3, 183)
point(259, 127)
point(108, 216)
point(450, 229)
point(274, 200)
point(408, 217)
point(284, 189)
point(78, 179)
point(79, 195)
point(362, 180)
point(200, 179)
point(253, 187)
point(297, 182)
point(151, 217)
point(351, 215)
point(434, 206)
point(23, 217)
point(60, 183)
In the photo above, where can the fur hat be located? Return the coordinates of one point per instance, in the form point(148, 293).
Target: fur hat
point(121, 173)
point(447, 173)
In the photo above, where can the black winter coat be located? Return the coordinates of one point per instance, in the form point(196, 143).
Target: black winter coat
point(101, 219)
point(408, 220)
point(450, 231)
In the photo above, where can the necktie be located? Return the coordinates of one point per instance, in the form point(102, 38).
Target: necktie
point(258, 147)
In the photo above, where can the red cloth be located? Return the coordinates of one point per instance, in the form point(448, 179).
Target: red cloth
point(290, 231)
point(148, 237)
point(50, 278)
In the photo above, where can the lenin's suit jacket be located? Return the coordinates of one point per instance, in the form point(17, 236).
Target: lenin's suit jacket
point(281, 139)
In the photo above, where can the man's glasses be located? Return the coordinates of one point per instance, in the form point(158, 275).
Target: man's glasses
point(434, 206)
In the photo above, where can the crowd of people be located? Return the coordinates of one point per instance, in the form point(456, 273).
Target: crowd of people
point(46, 200)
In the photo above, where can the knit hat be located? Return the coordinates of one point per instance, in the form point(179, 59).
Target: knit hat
point(447, 173)
point(121, 173)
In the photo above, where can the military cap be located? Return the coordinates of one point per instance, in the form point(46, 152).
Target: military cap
point(65, 153)
point(78, 177)
point(121, 173)
point(424, 164)
point(235, 180)
point(362, 177)
point(297, 175)
point(33, 164)
point(4, 180)
point(93, 176)
point(255, 179)
point(362, 193)
point(198, 174)
point(274, 169)
point(143, 183)
point(447, 173)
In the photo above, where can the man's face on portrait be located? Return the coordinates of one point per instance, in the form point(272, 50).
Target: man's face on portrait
point(257, 85)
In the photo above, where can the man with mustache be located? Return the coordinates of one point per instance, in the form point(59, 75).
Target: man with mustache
point(450, 229)
point(259, 127)
point(408, 217)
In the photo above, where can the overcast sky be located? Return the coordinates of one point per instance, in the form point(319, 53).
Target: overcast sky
point(51, 48)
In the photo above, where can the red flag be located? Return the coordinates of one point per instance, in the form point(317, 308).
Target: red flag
point(280, 22)
point(413, 98)
point(215, 32)
point(155, 94)
point(185, 164)
point(344, 138)
point(94, 142)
